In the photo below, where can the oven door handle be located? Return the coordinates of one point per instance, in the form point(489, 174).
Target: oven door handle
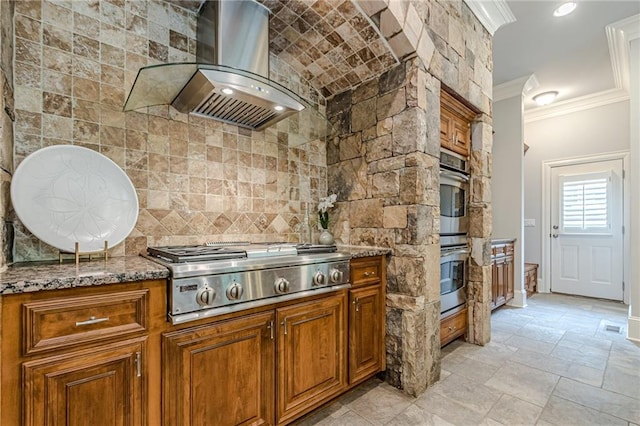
point(453, 252)
point(453, 175)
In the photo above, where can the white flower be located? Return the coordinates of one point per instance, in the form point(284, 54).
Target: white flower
point(326, 203)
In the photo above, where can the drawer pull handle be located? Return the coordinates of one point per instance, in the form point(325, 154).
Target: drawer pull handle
point(369, 274)
point(91, 320)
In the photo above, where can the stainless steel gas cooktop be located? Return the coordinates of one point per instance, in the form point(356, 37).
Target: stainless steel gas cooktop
point(216, 278)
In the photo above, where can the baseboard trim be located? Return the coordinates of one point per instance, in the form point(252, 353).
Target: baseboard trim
point(633, 327)
point(519, 299)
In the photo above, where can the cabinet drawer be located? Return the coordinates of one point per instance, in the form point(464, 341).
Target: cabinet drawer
point(453, 326)
point(54, 323)
point(365, 271)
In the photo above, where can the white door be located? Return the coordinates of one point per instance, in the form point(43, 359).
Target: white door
point(586, 234)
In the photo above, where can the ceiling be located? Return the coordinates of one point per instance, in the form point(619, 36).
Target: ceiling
point(568, 54)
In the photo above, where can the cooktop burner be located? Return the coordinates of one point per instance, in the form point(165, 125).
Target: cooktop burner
point(212, 252)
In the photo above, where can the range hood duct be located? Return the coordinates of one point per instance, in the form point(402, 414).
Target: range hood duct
point(230, 81)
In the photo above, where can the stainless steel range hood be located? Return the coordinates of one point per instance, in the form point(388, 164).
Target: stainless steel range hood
point(230, 81)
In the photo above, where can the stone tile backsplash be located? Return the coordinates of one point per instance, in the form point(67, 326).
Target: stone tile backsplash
point(197, 179)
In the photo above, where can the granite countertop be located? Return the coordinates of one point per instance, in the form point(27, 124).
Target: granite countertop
point(38, 276)
point(29, 277)
point(364, 251)
point(502, 240)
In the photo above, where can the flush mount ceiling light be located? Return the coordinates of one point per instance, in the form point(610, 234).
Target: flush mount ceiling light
point(545, 98)
point(565, 8)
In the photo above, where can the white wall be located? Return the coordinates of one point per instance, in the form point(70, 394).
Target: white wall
point(633, 332)
point(597, 130)
point(507, 183)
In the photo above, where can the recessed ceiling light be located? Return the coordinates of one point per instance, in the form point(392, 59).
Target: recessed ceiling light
point(565, 8)
point(227, 91)
point(545, 98)
point(278, 108)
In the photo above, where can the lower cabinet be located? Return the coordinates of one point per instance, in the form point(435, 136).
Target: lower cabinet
point(220, 374)
point(453, 326)
point(312, 346)
point(101, 386)
point(502, 274)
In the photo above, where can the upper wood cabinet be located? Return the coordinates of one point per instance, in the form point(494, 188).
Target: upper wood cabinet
point(455, 124)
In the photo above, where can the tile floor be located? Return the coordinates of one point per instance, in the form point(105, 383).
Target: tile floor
point(551, 363)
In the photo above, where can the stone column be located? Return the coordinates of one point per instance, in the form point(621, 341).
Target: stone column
point(384, 166)
point(480, 216)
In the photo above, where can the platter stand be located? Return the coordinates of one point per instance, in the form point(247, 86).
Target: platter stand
point(104, 253)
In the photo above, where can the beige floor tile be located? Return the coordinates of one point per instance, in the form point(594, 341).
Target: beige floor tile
point(522, 342)
point(526, 383)
point(381, 404)
point(623, 380)
point(449, 410)
point(416, 416)
point(560, 367)
point(562, 412)
point(599, 399)
point(468, 393)
point(543, 334)
point(513, 411)
point(469, 368)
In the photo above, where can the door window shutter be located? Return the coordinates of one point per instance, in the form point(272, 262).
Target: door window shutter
point(585, 203)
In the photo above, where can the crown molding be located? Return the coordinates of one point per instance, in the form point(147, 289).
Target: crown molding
point(518, 87)
point(581, 103)
point(491, 14)
point(619, 34)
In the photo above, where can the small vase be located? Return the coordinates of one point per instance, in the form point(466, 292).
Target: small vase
point(325, 238)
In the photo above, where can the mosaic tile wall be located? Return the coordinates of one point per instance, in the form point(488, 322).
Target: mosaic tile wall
point(196, 179)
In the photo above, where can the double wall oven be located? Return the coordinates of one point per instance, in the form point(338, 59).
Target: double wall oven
point(454, 225)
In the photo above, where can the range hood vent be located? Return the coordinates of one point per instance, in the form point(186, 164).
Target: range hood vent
point(229, 82)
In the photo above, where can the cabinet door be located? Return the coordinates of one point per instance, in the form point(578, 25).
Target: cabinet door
point(311, 355)
point(101, 386)
point(220, 374)
point(461, 137)
point(446, 128)
point(366, 332)
point(509, 278)
point(501, 282)
point(494, 283)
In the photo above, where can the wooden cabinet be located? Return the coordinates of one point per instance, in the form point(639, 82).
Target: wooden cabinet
point(455, 124)
point(502, 274)
point(312, 346)
point(220, 374)
point(101, 386)
point(82, 356)
point(107, 355)
point(453, 326)
point(531, 278)
point(366, 319)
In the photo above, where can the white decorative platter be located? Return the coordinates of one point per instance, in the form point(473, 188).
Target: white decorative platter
point(65, 194)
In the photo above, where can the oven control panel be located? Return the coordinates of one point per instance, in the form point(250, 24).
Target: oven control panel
point(231, 289)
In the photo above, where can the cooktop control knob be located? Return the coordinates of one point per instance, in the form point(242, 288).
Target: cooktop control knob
point(205, 296)
point(335, 276)
point(319, 278)
point(281, 285)
point(234, 291)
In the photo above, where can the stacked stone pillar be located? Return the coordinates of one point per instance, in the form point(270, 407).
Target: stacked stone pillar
point(384, 166)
